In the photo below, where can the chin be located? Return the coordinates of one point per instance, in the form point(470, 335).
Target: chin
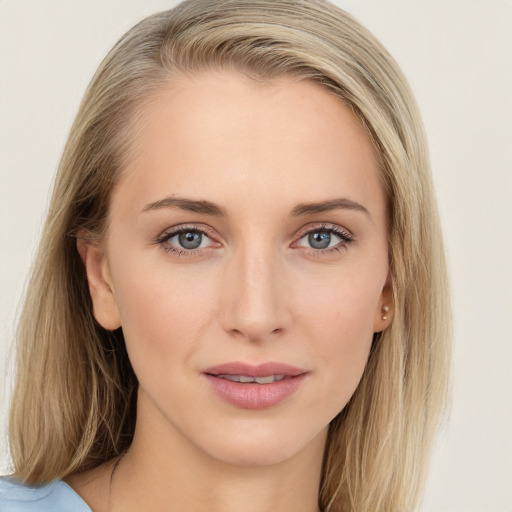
point(255, 445)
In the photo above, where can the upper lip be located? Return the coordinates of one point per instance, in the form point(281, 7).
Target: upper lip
point(260, 370)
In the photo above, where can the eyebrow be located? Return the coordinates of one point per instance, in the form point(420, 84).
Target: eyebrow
point(327, 206)
point(209, 208)
point(190, 205)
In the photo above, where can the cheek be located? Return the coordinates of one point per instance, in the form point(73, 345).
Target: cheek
point(163, 313)
point(339, 322)
point(343, 304)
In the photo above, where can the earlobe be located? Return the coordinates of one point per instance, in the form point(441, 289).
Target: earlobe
point(385, 307)
point(100, 286)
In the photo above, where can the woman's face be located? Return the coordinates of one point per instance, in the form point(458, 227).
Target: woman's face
point(248, 229)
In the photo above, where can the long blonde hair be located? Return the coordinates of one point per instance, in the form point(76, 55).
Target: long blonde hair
point(74, 402)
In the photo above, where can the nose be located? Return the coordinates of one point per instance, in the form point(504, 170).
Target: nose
point(254, 305)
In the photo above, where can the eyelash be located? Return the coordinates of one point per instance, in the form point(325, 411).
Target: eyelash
point(167, 235)
point(345, 237)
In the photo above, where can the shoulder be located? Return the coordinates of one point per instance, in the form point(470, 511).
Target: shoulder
point(54, 497)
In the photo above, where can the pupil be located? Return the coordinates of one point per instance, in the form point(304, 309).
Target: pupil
point(190, 240)
point(320, 239)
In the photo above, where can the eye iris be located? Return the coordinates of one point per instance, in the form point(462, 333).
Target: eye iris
point(319, 239)
point(190, 240)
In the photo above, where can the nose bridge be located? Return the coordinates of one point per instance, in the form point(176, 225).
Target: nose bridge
point(255, 306)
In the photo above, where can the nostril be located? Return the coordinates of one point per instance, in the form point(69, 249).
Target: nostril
point(256, 333)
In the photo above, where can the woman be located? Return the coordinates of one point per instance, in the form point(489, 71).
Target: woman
point(240, 294)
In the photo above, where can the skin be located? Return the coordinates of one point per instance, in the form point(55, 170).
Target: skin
point(255, 291)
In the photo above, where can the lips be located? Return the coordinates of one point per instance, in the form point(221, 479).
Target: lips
point(254, 387)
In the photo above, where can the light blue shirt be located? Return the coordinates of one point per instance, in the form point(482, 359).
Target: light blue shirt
point(54, 497)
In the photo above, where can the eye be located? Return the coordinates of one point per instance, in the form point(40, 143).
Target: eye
point(325, 238)
point(185, 240)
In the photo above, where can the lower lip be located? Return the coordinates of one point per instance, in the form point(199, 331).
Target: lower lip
point(253, 395)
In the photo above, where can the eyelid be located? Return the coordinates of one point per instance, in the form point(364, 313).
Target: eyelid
point(324, 226)
point(180, 228)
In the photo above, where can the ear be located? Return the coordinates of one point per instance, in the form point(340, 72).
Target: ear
point(100, 284)
point(385, 307)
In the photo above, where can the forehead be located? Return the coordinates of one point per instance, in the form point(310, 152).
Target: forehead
point(215, 132)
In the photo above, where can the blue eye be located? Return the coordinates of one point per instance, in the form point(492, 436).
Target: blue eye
point(325, 238)
point(184, 240)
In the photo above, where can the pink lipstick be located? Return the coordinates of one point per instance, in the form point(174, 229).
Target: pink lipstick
point(254, 387)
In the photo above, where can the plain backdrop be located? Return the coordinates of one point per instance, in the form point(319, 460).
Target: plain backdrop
point(457, 55)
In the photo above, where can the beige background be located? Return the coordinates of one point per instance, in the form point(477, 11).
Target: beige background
point(458, 57)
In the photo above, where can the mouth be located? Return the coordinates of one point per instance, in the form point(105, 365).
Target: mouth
point(254, 387)
point(245, 379)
